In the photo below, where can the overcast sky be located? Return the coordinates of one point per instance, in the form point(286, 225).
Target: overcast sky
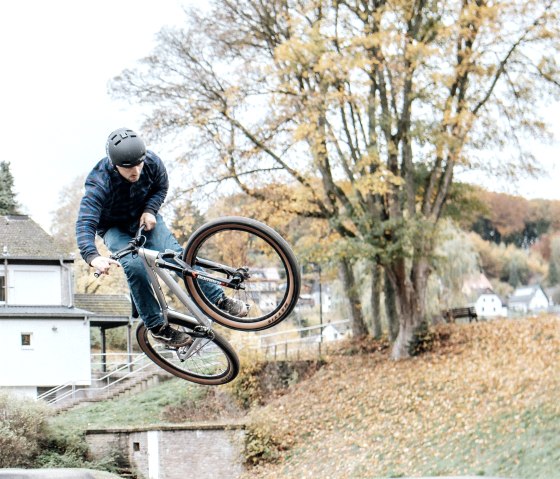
point(57, 57)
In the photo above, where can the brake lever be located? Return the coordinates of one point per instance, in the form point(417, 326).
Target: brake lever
point(132, 245)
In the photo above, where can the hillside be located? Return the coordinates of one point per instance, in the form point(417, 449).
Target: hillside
point(484, 402)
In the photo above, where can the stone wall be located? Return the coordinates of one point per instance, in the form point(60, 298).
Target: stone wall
point(175, 452)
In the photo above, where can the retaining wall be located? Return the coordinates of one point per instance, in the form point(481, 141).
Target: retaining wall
point(175, 452)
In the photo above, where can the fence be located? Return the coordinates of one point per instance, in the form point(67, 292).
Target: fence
point(111, 369)
point(301, 343)
point(138, 368)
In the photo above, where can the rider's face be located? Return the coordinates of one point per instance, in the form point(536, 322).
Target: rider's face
point(131, 173)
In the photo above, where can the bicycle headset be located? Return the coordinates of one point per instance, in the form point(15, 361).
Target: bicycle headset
point(125, 148)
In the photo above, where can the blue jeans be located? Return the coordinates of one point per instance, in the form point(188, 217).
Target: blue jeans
point(160, 239)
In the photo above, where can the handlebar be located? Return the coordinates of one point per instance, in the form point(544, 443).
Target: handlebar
point(137, 241)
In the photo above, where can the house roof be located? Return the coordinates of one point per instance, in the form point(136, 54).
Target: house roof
point(41, 312)
point(474, 283)
point(486, 291)
point(102, 310)
point(524, 294)
point(21, 237)
point(106, 308)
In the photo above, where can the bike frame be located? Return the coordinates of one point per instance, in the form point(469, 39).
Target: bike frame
point(158, 269)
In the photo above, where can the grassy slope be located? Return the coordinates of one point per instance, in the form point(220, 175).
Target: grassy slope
point(485, 402)
point(139, 409)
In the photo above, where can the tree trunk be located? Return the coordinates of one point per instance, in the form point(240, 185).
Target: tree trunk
point(391, 309)
point(410, 295)
point(376, 281)
point(407, 326)
point(358, 324)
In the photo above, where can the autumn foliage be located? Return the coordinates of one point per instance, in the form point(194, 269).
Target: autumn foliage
point(473, 406)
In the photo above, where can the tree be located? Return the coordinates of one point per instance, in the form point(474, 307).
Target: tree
point(64, 230)
point(554, 262)
point(8, 203)
point(513, 219)
point(369, 106)
point(455, 261)
point(186, 219)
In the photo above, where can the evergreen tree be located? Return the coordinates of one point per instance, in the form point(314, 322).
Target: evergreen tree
point(8, 204)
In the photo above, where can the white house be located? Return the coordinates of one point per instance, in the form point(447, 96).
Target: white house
point(489, 305)
point(265, 284)
point(44, 340)
point(526, 299)
point(330, 333)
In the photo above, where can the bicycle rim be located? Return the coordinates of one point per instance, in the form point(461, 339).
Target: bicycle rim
point(212, 361)
point(272, 290)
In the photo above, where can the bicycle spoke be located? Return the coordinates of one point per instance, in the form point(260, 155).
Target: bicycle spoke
point(206, 359)
point(253, 265)
point(266, 286)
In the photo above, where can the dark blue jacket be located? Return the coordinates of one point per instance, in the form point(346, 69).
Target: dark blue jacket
point(110, 200)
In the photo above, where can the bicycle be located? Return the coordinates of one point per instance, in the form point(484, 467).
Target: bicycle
point(235, 253)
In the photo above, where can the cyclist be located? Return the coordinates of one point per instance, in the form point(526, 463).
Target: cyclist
point(123, 191)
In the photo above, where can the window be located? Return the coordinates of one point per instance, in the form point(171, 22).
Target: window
point(2, 289)
point(26, 340)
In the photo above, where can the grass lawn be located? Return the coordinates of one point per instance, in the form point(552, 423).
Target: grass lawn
point(141, 409)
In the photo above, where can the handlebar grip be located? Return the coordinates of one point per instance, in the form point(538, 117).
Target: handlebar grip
point(97, 273)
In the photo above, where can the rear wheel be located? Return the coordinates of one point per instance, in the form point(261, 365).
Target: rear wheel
point(272, 284)
point(211, 360)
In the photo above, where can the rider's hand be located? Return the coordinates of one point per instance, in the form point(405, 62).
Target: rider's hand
point(102, 264)
point(149, 220)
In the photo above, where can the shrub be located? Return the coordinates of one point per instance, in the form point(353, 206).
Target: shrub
point(246, 388)
point(260, 445)
point(67, 448)
point(23, 428)
point(27, 440)
point(424, 339)
point(258, 382)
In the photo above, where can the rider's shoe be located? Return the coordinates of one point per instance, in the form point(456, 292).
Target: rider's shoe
point(232, 306)
point(170, 336)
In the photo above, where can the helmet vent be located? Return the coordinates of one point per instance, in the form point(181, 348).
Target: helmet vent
point(130, 152)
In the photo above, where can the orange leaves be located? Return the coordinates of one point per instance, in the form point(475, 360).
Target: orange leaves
point(368, 416)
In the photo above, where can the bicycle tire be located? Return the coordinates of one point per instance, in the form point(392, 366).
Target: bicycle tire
point(213, 363)
point(235, 241)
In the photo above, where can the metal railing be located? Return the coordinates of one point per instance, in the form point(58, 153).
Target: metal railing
point(76, 389)
point(118, 367)
point(304, 345)
point(108, 362)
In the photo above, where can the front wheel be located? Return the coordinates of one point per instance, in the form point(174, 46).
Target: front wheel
point(211, 360)
point(271, 282)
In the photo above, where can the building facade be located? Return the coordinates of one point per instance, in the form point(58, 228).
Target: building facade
point(45, 340)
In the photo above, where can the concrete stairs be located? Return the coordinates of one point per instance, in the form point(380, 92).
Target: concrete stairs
point(114, 387)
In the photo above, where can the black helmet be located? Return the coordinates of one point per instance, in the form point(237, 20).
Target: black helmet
point(125, 148)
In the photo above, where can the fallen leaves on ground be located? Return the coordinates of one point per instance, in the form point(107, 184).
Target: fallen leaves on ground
point(365, 415)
